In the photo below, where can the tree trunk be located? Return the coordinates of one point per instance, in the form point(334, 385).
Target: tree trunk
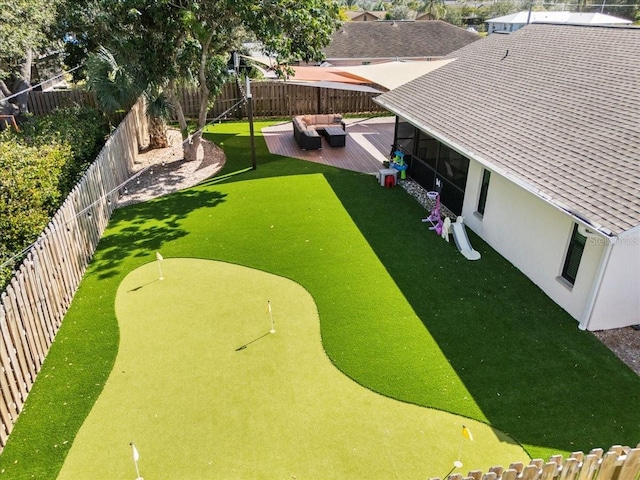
point(158, 133)
point(23, 83)
point(191, 148)
point(6, 107)
point(177, 106)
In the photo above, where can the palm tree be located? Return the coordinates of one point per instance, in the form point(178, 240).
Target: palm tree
point(117, 89)
point(158, 111)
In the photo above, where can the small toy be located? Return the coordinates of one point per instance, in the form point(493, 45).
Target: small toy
point(398, 163)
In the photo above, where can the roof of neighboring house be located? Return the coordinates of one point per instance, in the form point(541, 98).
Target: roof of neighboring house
point(560, 17)
point(401, 39)
point(553, 107)
point(355, 15)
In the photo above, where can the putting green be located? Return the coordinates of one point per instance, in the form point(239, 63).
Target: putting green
point(197, 405)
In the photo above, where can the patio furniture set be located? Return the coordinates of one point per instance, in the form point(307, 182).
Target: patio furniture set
point(308, 130)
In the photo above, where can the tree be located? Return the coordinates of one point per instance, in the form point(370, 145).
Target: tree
point(435, 8)
point(116, 90)
point(171, 43)
point(399, 12)
point(454, 17)
point(498, 9)
point(24, 33)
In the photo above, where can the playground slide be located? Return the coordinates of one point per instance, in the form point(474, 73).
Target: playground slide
point(462, 240)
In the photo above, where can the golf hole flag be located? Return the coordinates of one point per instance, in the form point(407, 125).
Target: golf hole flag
point(273, 327)
point(159, 259)
point(466, 433)
point(136, 455)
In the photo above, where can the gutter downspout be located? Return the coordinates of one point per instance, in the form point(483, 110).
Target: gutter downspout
point(595, 290)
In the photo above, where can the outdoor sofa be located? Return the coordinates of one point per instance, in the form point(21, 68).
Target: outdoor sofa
point(307, 128)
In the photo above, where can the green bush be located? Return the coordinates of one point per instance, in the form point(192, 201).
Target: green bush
point(38, 168)
point(82, 127)
point(29, 193)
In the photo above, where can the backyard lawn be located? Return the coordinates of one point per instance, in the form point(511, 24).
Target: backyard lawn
point(400, 312)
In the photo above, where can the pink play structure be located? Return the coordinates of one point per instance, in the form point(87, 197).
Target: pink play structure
point(444, 226)
point(435, 218)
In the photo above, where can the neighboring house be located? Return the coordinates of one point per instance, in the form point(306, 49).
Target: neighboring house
point(425, 16)
point(365, 43)
point(535, 137)
point(365, 16)
point(515, 21)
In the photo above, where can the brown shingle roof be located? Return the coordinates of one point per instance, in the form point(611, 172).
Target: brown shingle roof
point(357, 15)
point(553, 106)
point(403, 39)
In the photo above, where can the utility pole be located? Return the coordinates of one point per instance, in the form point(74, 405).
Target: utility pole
point(250, 115)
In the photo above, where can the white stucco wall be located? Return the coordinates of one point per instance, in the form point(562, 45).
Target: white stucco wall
point(617, 303)
point(532, 235)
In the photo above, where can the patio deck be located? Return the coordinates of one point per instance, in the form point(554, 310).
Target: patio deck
point(368, 144)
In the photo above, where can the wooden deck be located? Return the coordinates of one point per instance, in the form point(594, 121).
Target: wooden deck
point(368, 144)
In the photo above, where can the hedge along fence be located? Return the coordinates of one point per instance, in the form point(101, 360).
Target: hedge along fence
point(270, 99)
point(619, 463)
point(37, 298)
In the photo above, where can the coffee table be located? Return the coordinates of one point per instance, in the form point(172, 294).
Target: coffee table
point(336, 136)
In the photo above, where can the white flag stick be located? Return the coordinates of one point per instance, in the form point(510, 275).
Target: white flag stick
point(136, 457)
point(273, 327)
point(159, 258)
point(466, 435)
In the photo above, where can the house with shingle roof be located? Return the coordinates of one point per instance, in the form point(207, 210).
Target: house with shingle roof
point(535, 138)
point(365, 43)
point(365, 15)
point(515, 21)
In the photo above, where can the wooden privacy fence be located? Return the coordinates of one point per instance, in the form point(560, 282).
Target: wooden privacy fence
point(270, 99)
point(42, 103)
point(282, 99)
point(40, 292)
point(619, 463)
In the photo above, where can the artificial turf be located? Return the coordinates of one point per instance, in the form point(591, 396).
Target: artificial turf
point(207, 391)
point(401, 311)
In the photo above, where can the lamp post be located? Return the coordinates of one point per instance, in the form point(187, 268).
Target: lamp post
point(250, 115)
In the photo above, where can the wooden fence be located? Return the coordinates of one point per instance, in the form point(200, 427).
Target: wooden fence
point(42, 103)
point(619, 463)
point(34, 303)
point(281, 99)
point(270, 99)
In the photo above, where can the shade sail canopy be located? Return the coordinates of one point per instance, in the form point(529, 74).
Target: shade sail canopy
point(393, 74)
point(388, 75)
point(337, 86)
point(324, 74)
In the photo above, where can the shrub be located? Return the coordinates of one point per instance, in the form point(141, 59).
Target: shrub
point(38, 168)
point(82, 127)
point(29, 193)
